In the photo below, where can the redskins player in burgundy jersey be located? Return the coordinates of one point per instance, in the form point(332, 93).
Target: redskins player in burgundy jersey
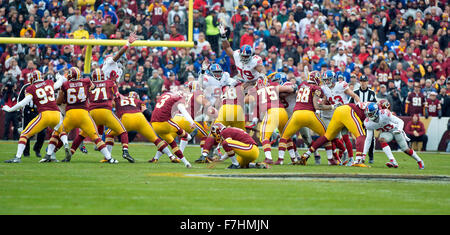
point(238, 145)
point(307, 102)
point(271, 110)
point(74, 93)
point(42, 94)
point(348, 116)
point(129, 109)
point(100, 106)
point(195, 102)
point(165, 127)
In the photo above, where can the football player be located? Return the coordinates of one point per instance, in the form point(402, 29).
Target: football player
point(308, 94)
point(249, 66)
point(345, 116)
point(74, 93)
point(238, 145)
point(288, 100)
point(165, 127)
point(42, 94)
point(337, 93)
point(129, 109)
point(391, 127)
point(269, 106)
point(110, 67)
point(195, 103)
point(100, 105)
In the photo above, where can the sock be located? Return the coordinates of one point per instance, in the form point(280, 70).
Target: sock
point(282, 148)
point(109, 148)
point(50, 149)
point(176, 150)
point(268, 154)
point(387, 150)
point(185, 161)
point(106, 153)
point(158, 155)
point(124, 140)
point(292, 153)
point(166, 150)
point(413, 154)
point(20, 149)
point(348, 145)
point(234, 161)
point(76, 143)
point(64, 139)
point(183, 143)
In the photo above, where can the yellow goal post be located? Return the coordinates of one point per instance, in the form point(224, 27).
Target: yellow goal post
point(106, 42)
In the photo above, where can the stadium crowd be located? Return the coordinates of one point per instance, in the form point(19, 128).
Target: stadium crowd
point(397, 49)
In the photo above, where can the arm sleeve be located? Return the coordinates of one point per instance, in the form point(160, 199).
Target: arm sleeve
point(22, 103)
point(422, 129)
point(185, 113)
point(398, 121)
point(368, 141)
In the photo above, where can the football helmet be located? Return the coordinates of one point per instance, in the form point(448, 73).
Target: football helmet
point(246, 53)
point(372, 111)
point(98, 75)
point(281, 78)
point(328, 78)
point(133, 95)
point(36, 76)
point(217, 128)
point(74, 74)
point(384, 104)
point(217, 71)
point(314, 78)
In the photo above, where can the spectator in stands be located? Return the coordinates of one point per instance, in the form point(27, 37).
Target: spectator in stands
point(415, 101)
point(155, 84)
point(76, 19)
point(415, 130)
point(126, 85)
point(171, 83)
point(108, 28)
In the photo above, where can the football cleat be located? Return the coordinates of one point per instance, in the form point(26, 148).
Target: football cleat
point(232, 166)
point(201, 159)
point(303, 160)
point(421, 165)
point(68, 153)
point(46, 158)
point(278, 162)
point(127, 156)
point(391, 164)
point(14, 160)
point(188, 165)
point(153, 160)
point(344, 159)
point(175, 160)
point(262, 165)
point(268, 161)
point(317, 160)
point(333, 162)
point(103, 160)
point(112, 161)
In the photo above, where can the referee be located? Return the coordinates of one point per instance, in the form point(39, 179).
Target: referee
point(28, 113)
point(366, 95)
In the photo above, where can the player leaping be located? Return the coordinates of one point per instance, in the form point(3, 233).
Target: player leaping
point(249, 66)
point(111, 68)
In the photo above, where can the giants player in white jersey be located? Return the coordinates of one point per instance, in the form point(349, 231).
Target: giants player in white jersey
point(249, 66)
point(390, 127)
point(337, 93)
point(111, 67)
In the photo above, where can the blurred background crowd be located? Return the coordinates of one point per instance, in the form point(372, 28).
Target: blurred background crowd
point(397, 49)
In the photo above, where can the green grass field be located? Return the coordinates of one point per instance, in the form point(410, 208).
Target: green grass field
point(85, 186)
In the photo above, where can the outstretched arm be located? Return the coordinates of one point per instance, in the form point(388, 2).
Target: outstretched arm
point(225, 43)
point(352, 94)
point(19, 105)
point(60, 80)
point(124, 49)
